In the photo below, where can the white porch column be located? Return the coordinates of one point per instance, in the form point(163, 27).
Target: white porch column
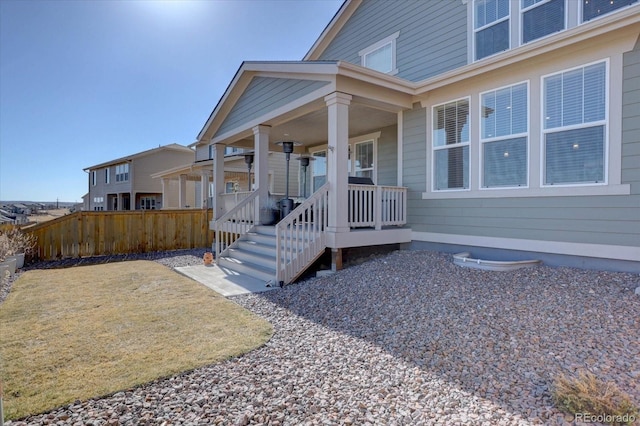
point(337, 159)
point(261, 164)
point(204, 189)
point(182, 192)
point(218, 180)
point(165, 196)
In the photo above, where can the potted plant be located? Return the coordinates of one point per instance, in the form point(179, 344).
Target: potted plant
point(269, 213)
point(16, 244)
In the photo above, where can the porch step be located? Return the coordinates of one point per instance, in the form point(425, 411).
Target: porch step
point(243, 267)
point(254, 254)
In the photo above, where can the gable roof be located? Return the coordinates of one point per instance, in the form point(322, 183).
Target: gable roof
point(171, 147)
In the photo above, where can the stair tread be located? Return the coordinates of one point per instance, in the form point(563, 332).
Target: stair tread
point(250, 265)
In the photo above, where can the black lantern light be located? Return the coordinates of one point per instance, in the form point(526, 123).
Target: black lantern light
point(286, 204)
point(304, 162)
point(248, 159)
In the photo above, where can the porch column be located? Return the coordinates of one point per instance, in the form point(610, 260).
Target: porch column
point(261, 165)
point(218, 180)
point(165, 196)
point(119, 198)
point(204, 189)
point(337, 159)
point(182, 191)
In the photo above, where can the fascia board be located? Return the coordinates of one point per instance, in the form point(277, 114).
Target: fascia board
point(129, 158)
point(297, 105)
point(243, 77)
point(598, 27)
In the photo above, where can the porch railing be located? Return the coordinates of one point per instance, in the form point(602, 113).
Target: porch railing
point(235, 222)
point(300, 237)
point(377, 206)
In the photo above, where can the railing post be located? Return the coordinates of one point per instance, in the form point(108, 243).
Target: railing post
point(377, 202)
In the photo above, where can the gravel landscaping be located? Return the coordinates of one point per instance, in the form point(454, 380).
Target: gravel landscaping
point(407, 339)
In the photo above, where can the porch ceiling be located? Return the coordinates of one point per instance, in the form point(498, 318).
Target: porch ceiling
point(311, 128)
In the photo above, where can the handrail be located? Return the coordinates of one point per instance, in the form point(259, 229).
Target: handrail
point(234, 223)
point(376, 206)
point(300, 236)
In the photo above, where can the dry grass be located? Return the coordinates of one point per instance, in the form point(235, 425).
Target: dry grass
point(90, 331)
point(586, 394)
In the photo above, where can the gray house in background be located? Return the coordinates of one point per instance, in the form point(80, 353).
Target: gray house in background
point(126, 183)
point(507, 128)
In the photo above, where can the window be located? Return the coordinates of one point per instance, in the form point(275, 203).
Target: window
point(491, 27)
point(319, 176)
point(594, 8)
point(211, 151)
point(122, 172)
point(232, 150)
point(451, 145)
point(94, 178)
point(541, 18)
point(381, 56)
point(575, 125)
point(106, 176)
point(98, 201)
point(230, 187)
point(503, 136)
point(147, 203)
point(363, 161)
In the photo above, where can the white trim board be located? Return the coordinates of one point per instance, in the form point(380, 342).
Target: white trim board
point(602, 251)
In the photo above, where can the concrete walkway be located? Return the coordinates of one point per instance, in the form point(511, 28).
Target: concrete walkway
point(224, 282)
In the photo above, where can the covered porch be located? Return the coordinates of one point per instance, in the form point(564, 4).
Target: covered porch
point(347, 129)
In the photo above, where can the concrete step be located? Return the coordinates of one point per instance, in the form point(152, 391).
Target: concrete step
point(251, 269)
point(269, 240)
point(252, 257)
point(265, 230)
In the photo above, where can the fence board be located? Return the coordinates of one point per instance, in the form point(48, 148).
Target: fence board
point(83, 234)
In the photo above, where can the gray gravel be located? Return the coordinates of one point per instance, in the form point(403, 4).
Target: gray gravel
point(407, 338)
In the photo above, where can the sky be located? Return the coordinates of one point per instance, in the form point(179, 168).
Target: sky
point(87, 81)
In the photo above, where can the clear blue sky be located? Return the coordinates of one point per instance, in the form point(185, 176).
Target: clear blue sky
point(83, 82)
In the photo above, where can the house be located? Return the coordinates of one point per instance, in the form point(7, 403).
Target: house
point(190, 185)
point(507, 128)
point(126, 183)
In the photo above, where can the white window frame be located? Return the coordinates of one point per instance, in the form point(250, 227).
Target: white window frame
point(605, 123)
point(94, 177)
point(523, 10)
point(581, 12)
point(122, 172)
point(151, 201)
point(379, 45)
point(484, 27)
point(434, 149)
point(107, 176)
point(483, 141)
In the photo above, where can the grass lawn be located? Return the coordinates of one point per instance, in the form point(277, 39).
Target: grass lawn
point(89, 331)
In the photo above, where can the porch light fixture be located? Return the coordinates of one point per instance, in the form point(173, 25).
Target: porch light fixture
point(248, 159)
point(304, 162)
point(286, 204)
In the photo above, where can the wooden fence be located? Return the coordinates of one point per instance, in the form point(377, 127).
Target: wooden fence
point(120, 232)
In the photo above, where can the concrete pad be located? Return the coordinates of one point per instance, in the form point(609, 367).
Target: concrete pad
point(227, 284)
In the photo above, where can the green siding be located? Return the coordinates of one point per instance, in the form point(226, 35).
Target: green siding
point(609, 220)
point(388, 156)
point(266, 94)
point(432, 40)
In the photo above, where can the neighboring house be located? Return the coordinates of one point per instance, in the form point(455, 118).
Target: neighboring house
point(191, 185)
point(126, 183)
point(509, 128)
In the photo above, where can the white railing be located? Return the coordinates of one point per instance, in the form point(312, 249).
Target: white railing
point(376, 206)
point(237, 221)
point(300, 237)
